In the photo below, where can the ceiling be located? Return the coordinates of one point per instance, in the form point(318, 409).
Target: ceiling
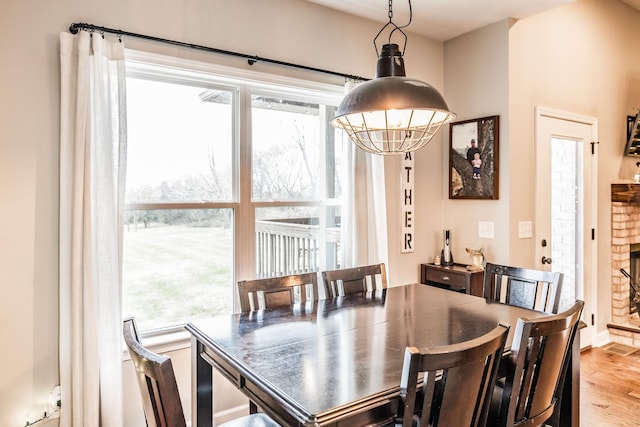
point(445, 19)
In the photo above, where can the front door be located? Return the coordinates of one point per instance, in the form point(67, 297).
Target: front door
point(566, 196)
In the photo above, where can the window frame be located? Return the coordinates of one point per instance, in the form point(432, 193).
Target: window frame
point(241, 82)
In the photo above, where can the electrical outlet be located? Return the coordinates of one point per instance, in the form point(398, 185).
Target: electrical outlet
point(525, 230)
point(54, 399)
point(51, 411)
point(485, 230)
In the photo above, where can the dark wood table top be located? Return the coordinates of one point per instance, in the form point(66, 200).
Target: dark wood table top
point(345, 354)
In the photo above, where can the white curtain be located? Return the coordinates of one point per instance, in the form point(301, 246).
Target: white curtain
point(364, 211)
point(92, 178)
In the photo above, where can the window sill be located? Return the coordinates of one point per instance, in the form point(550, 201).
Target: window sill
point(163, 343)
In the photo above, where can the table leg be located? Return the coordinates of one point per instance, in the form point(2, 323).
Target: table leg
point(201, 388)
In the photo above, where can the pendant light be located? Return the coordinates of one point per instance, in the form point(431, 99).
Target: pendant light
point(392, 114)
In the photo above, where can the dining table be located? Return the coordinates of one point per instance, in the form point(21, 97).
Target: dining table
point(337, 362)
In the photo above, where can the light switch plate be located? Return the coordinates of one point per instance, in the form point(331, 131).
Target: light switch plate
point(485, 229)
point(525, 230)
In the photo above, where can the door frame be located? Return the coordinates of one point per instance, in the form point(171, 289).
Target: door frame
point(592, 270)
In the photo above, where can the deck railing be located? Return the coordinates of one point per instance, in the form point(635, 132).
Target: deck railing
point(292, 246)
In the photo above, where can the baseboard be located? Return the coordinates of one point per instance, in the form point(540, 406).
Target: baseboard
point(602, 338)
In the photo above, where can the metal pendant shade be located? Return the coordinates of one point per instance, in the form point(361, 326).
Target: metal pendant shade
point(392, 114)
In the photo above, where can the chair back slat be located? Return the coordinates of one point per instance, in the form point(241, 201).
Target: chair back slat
point(356, 280)
point(456, 381)
point(522, 287)
point(271, 292)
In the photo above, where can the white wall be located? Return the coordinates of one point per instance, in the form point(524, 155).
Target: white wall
point(476, 85)
point(424, 61)
point(578, 58)
point(288, 30)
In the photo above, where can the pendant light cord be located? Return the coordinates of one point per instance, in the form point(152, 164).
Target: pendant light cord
point(394, 29)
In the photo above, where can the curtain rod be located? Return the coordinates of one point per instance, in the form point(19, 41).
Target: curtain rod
point(251, 59)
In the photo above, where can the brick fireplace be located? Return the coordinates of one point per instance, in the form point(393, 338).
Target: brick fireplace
point(625, 233)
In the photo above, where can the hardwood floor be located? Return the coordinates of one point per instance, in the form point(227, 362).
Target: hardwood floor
point(609, 389)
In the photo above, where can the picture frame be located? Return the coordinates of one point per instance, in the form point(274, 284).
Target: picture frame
point(468, 178)
point(632, 148)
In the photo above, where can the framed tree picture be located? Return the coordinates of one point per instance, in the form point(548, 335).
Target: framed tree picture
point(473, 159)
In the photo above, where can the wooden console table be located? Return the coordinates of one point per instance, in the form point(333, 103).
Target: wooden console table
point(455, 278)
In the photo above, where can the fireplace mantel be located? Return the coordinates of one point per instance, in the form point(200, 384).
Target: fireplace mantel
point(626, 193)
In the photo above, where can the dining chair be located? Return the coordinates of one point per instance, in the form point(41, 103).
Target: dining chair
point(534, 370)
point(270, 292)
point(356, 280)
point(159, 390)
point(523, 287)
point(450, 385)
point(282, 291)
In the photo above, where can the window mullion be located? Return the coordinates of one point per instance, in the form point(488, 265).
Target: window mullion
point(245, 214)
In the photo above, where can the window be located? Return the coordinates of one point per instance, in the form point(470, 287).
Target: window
point(229, 176)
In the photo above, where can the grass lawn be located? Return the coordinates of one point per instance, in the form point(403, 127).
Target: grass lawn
point(175, 273)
